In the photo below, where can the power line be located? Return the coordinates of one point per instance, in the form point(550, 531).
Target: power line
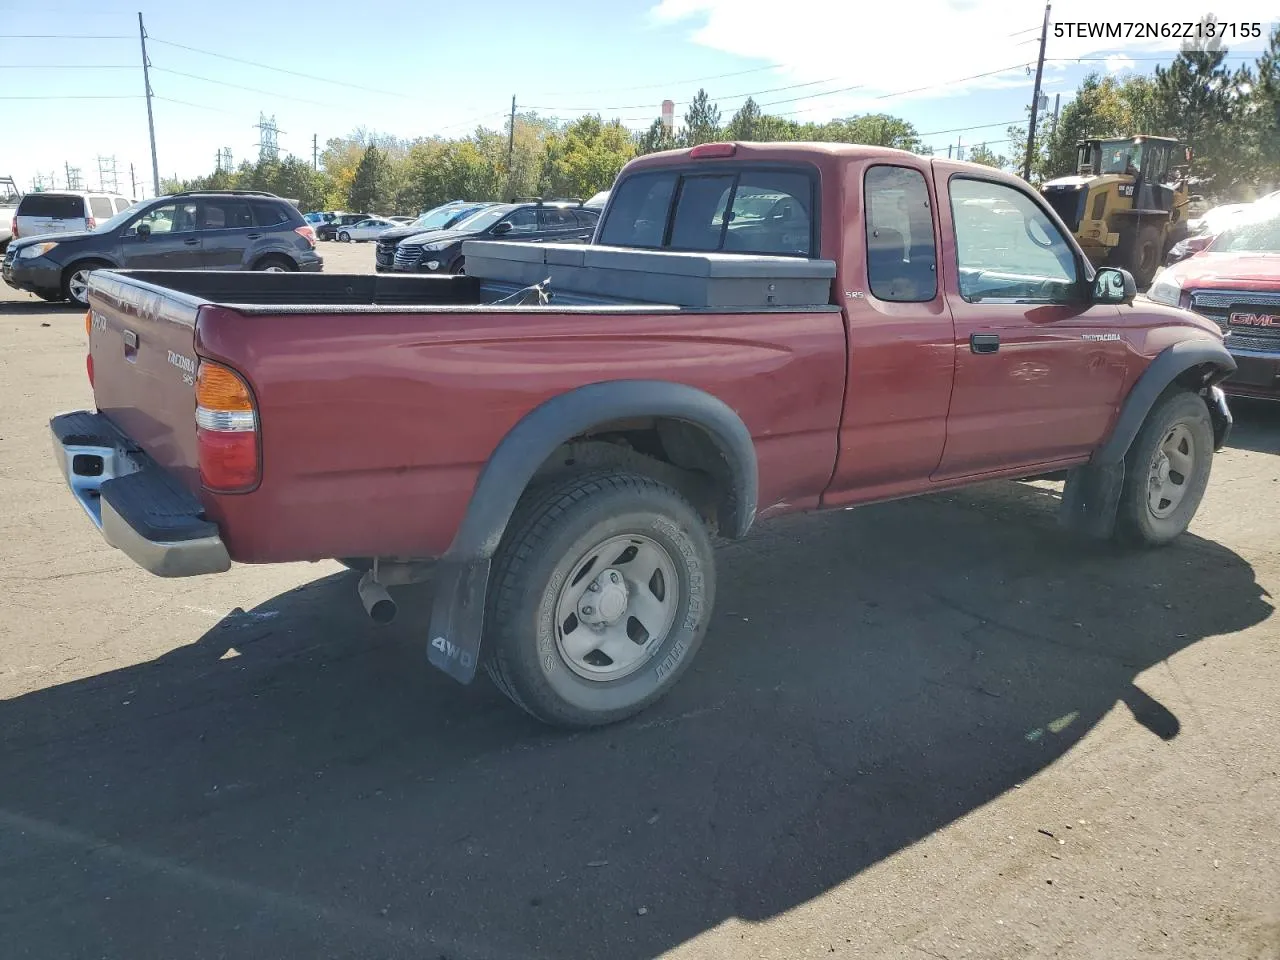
point(667, 83)
point(94, 96)
point(238, 86)
point(68, 36)
point(68, 66)
point(682, 103)
point(292, 73)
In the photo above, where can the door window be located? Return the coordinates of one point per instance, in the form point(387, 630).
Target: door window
point(557, 219)
point(100, 208)
point(226, 214)
point(587, 218)
point(1007, 247)
point(522, 222)
point(169, 218)
point(901, 257)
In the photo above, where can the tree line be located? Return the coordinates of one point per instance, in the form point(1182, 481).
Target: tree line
point(1229, 118)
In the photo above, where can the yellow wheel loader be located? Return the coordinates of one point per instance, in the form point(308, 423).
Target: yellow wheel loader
point(1127, 202)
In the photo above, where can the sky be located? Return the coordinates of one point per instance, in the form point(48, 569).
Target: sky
point(960, 70)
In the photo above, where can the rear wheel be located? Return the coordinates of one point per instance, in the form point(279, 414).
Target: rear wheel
point(75, 281)
point(275, 265)
point(601, 593)
point(1166, 470)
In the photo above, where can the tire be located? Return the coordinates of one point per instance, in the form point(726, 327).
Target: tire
point(556, 557)
point(344, 237)
point(1154, 508)
point(75, 281)
point(1143, 255)
point(459, 267)
point(275, 264)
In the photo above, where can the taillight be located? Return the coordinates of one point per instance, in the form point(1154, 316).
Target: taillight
point(307, 233)
point(226, 430)
point(13, 228)
point(91, 224)
point(88, 334)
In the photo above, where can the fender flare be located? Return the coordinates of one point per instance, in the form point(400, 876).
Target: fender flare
point(1171, 363)
point(462, 574)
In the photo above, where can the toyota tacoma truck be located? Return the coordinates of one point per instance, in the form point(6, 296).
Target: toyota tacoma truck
point(555, 438)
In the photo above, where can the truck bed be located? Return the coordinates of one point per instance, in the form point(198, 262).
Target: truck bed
point(378, 392)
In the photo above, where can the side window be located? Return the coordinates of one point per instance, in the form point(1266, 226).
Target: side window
point(1006, 248)
point(587, 218)
point(771, 214)
point(266, 214)
point(700, 211)
point(170, 218)
point(638, 216)
point(523, 221)
point(122, 204)
point(229, 214)
point(901, 255)
point(100, 208)
point(557, 219)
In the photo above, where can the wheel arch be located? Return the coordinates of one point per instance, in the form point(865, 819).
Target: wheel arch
point(462, 575)
point(1195, 365)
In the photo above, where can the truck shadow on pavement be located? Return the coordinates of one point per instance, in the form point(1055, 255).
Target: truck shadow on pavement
point(1257, 425)
point(298, 782)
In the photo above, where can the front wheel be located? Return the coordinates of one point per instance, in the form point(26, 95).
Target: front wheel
point(344, 237)
point(75, 282)
point(1166, 470)
point(602, 591)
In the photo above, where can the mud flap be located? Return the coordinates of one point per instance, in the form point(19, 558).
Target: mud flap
point(1091, 498)
point(457, 617)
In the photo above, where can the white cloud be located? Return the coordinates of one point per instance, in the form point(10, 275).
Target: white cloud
point(918, 43)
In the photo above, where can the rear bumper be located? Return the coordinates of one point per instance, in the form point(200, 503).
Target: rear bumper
point(313, 264)
point(139, 509)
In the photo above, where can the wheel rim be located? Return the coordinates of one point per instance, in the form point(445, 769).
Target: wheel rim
point(344, 237)
point(616, 607)
point(273, 268)
point(78, 286)
point(1171, 470)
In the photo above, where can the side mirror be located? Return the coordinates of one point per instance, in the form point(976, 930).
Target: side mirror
point(143, 230)
point(502, 229)
point(1112, 285)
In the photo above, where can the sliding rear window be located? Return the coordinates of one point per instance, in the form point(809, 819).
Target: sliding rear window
point(742, 210)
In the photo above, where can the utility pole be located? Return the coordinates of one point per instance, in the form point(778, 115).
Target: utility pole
point(1035, 99)
point(151, 122)
point(948, 151)
point(511, 138)
point(133, 179)
point(315, 151)
point(1057, 102)
point(959, 149)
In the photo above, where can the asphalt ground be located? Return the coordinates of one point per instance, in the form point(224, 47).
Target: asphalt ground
point(935, 728)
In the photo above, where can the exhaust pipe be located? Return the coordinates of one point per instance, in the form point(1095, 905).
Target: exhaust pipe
point(377, 602)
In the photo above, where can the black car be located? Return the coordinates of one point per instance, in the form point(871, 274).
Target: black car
point(202, 229)
point(549, 221)
point(329, 230)
point(439, 218)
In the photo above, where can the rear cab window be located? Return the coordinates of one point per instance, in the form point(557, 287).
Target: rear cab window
point(735, 209)
point(52, 205)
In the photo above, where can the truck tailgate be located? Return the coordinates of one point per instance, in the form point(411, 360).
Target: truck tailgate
point(142, 349)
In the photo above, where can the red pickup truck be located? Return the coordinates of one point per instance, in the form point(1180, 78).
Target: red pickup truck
point(756, 329)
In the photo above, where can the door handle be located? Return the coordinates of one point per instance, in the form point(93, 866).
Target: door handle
point(254, 236)
point(191, 241)
point(984, 342)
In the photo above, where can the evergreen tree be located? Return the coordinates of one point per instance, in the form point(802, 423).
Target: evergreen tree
point(745, 122)
point(701, 120)
point(371, 186)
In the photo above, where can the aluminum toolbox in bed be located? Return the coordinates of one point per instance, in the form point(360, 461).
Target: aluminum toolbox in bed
point(656, 276)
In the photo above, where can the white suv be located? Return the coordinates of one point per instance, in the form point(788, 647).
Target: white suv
point(64, 211)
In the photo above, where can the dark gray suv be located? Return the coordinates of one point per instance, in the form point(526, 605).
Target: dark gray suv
point(199, 230)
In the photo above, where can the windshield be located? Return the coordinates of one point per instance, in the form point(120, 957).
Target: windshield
point(1251, 234)
point(442, 216)
point(1121, 156)
point(484, 219)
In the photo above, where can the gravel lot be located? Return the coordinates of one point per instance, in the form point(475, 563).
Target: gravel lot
point(934, 728)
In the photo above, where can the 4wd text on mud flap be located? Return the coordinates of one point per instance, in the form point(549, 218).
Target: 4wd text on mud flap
point(452, 652)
